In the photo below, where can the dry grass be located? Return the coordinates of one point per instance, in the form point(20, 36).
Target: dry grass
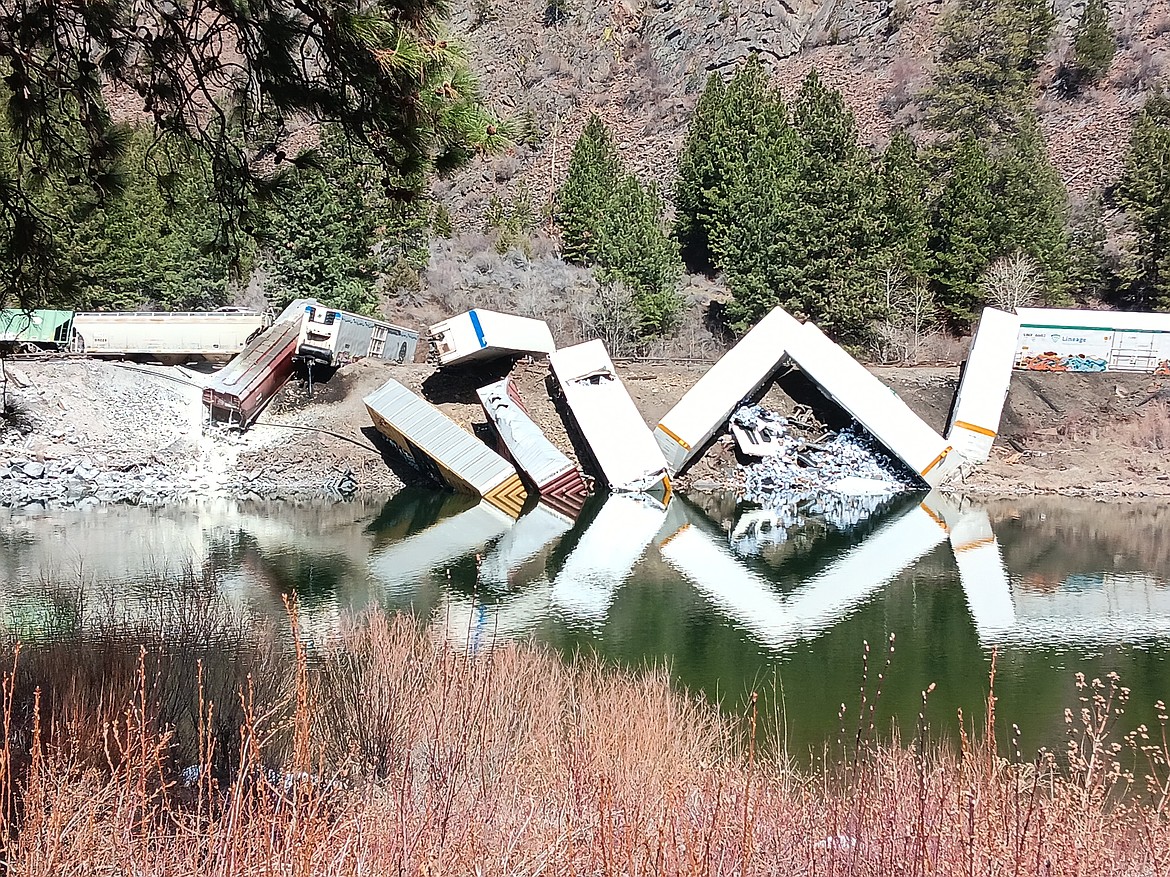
point(1150, 429)
point(388, 754)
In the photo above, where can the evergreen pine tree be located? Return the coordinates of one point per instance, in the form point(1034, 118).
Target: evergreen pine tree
point(991, 50)
point(729, 121)
point(1144, 192)
point(962, 229)
point(634, 248)
point(806, 233)
point(1093, 44)
point(905, 209)
point(595, 170)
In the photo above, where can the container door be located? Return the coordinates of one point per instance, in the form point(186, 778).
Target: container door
point(1135, 352)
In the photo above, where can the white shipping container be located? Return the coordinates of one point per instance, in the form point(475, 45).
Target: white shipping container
point(442, 449)
point(983, 387)
point(1070, 340)
point(478, 335)
point(706, 406)
point(622, 445)
point(872, 404)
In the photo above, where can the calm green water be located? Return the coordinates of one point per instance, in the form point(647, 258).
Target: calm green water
point(1052, 586)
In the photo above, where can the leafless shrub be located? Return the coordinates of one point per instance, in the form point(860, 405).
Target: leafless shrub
point(505, 167)
point(692, 339)
point(1011, 282)
point(611, 315)
point(1135, 69)
point(1150, 429)
point(1160, 26)
point(911, 315)
point(907, 79)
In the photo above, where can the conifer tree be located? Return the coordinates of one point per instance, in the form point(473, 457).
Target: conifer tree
point(962, 230)
point(634, 248)
point(905, 209)
point(730, 120)
point(1144, 192)
point(1093, 44)
point(595, 170)
point(991, 50)
point(806, 233)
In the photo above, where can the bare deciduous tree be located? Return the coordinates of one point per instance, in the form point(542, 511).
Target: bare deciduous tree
point(1011, 282)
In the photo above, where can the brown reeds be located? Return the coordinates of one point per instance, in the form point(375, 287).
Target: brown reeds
point(382, 752)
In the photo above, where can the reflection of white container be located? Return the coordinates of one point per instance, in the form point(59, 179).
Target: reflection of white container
point(705, 407)
point(1070, 340)
point(983, 387)
point(605, 554)
point(400, 565)
point(622, 445)
point(535, 530)
point(478, 335)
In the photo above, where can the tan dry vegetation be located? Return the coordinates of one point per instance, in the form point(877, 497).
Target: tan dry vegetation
point(386, 753)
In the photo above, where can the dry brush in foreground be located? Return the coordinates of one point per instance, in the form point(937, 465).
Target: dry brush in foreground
point(388, 754)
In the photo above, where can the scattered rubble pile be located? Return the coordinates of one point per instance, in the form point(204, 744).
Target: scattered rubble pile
point(841, 477)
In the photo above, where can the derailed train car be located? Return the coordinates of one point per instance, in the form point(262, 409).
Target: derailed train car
point(334, 338)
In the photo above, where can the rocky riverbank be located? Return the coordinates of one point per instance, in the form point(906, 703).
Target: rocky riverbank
point(83, 432)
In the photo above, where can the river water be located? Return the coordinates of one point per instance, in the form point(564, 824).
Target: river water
point(733, 602)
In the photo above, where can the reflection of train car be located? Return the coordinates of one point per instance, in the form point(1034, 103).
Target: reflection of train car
point(334, 338)
point(209, 334)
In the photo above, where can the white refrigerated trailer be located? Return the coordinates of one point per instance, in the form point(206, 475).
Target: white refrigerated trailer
point(334, 338)
point(706, 406)
point(619, 439)
point(478, 335)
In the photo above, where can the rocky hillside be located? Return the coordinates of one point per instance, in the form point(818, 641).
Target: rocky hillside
point(640, 65)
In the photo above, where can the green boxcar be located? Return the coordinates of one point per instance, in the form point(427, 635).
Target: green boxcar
point(43, 329)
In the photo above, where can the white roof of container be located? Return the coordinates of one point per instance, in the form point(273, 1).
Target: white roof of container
point(871, 403)
point(622, 443)
point(526, 442)
point(481, 334)
point(453, 448)
point(706, 406)
point(1131, 321)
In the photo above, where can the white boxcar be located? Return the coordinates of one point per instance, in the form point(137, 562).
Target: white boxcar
point(478, 335)
point(555, 477)
point(1068, 340)
point(622, 445)
point(705, 407)
point(195, 333)
point(442, 449)
point(983, 387)
point(872, 404)
point(336, 337)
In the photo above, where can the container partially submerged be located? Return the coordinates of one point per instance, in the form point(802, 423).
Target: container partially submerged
point(554, 476)
point(442, 449)
point(478, 335)
point(623, 447)
point(705, 407)
point(983, 387)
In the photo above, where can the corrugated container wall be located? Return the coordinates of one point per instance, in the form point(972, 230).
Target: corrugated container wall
point(442, 449)
point(1068, 340)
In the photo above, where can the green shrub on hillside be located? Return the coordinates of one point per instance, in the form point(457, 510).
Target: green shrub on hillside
point(1093, 45)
